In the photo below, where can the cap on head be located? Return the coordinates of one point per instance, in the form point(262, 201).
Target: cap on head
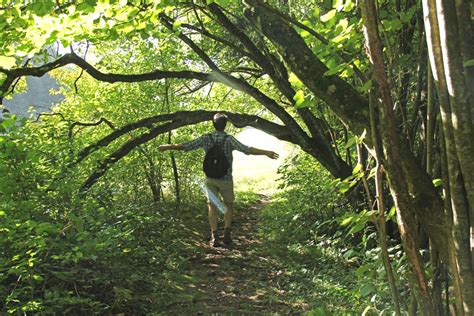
point(219, 121)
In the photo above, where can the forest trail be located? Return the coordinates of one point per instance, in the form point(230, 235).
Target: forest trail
point(235, 279)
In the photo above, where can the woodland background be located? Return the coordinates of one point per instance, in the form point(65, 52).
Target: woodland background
point(372, 211)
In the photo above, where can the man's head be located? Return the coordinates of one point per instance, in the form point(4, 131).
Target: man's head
point(219, 121)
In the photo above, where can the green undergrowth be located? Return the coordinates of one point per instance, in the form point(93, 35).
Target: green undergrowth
point(314, 271)
point(135, 261)
point(126, 262)
point(325, 245)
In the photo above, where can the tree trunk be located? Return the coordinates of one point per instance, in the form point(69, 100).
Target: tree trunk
point(437, 283)
point(392, 143)
point(446, 62)
point(382, 234)
point(152, 175)
point(353, 110)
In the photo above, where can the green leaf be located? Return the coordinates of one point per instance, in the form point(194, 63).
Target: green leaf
point(362, 269)
point(223, 3)
point(9, 122)
point(343, 187)
point(85, 7)
point(328, 16)
point(37, 277)
point(46, 228)
point(357, 169)
point(351, 142)
point(318, 311)
point(316, 12)
point(437, 182)
point(176, 25)
point(347, 221)
point(392, 25)
point(407, 16)
point(367, 289)
point(349, 6)
point(468, 63)
point(304, 34)
point(298, 98)
point(335, 70)
point(391, 214)
point(366, 86)
point(357, 227)
point(7, 62)
point(350, 253)
point(342, 25)
point(91, 3)
point(295, 81)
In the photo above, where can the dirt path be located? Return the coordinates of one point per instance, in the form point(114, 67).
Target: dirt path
point(235, 280)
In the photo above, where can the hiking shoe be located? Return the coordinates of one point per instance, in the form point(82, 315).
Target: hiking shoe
point(227, 238)
point(215, 240)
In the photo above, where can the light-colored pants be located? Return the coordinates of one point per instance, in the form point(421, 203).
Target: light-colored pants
point(224, 187)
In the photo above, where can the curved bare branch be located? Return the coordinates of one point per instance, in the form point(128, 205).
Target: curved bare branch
point(72, 58)
point(172, 121)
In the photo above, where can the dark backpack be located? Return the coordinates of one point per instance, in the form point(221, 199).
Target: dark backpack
point(215, 163)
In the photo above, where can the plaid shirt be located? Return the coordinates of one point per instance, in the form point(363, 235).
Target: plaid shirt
point(230, 145)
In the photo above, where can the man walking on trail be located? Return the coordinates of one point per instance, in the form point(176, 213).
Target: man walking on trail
point(218, 168)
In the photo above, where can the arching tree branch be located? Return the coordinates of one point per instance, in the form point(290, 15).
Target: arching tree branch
point(279, 74)
point(216, 38)
point(244, 86)
point(72, 58)
point(173, 121)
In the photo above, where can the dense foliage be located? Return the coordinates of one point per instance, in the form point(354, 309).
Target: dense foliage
point(85, 193)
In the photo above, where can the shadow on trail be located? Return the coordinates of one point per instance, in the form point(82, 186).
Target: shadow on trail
point(234, 279)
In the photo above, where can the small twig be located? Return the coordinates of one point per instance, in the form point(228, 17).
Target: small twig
point(75, 289)
point(209, 93)
point(14, 288)
point(193, 89)
point(12, 89)
point(225, 97)
point(198, 18)
point(82, 69)
point(102, 120)
point(50, 114)
point(77, 79)
point(59, 6)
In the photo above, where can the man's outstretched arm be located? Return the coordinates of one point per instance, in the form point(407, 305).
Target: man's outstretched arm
point(166, 147)
point(268, 153)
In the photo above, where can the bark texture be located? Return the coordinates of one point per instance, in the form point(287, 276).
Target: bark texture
point(352, 108)
point(441, 24)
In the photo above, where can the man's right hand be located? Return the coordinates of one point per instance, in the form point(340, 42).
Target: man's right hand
point(166, 147)
point(272, 155)
point(163, 147)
